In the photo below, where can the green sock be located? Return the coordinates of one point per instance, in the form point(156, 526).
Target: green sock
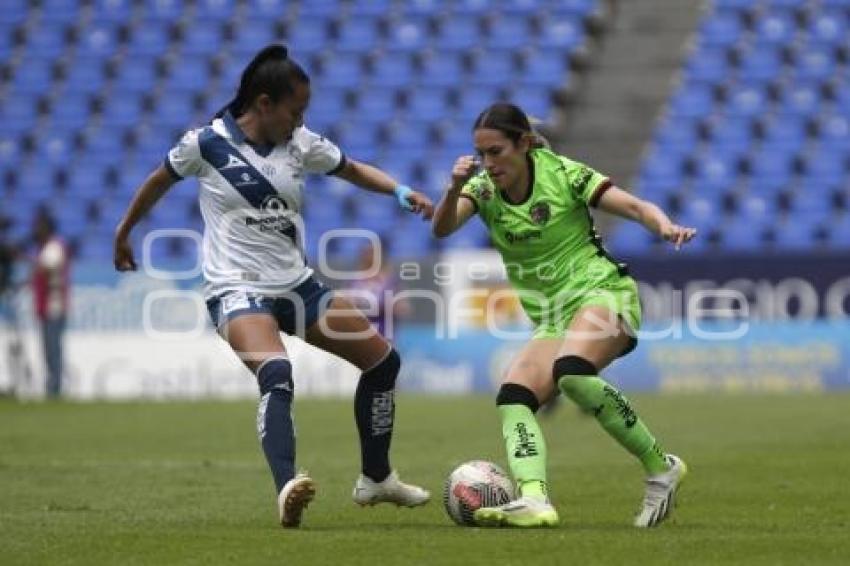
point(526, 450)
point(613, 411)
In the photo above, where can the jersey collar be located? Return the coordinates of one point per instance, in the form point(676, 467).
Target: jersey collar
point(238, 136)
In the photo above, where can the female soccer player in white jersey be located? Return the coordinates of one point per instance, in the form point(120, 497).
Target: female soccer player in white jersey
point(583, 304)
point(251, 162)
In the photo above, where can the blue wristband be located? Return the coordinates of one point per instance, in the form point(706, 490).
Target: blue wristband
point(401, 193)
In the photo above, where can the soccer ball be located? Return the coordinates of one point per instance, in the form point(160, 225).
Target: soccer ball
point(475, 484)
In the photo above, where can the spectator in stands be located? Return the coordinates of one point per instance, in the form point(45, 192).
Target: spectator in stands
point(583, 304)
point(251, 163)
point(50, 284)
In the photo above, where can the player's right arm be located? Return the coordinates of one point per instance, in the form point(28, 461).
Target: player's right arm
point(147, 195)
point(453, 210)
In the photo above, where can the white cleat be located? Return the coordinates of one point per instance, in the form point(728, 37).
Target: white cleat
point(294, 498)
point(391, 490)
point(661, 491)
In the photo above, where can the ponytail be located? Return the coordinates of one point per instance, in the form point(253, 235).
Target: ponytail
point(270, 72)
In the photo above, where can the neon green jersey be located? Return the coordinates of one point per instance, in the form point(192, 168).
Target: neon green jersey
point(550, 248)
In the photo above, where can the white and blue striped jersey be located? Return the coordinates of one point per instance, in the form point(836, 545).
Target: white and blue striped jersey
point(251, 201)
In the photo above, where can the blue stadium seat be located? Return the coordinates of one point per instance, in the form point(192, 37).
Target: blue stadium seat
point(202, 40)
point(139, 77)
point(324, 8)
point(356, 136)
point(376, 104)
point(825, 168)
point(827, 28)
point(373, 8)
point(629, 238)
point(771, 168)
point(123, 111)
point(799, 101)
point(253, 35)
point(834, 129)
point(747, 101)
point(493, 69)
point(341, 70)
point(56, 148)
point(814, 64)
point(33, 77)
point(358, 35)
point(535, 101)
point(427, 103)
point(457, 137)
point(760, 65)
point(393, 70)
point(707, 65)
point(839, 233)
point(561, 33)
point(795, 234)
point(116, 11)
point(162, 12)
point(734, 5)
point(775, 28)
point(723, 29)
point(46, 41)
point(186, 76)
point(85, 75)
point(148, 41)
point(692, 102)
point(459, 32)
point(508, 32)
point(715, 172)
point(409, 134)
point(309, 34)
point(442, 69)
point(175, 110)
point(471, 103)
point(14, 12)
point(327, 106)
point(98, 41)
point(543, 69)
point(408, 35)
point(743, 234)
point(215, 10)
point(267, 10)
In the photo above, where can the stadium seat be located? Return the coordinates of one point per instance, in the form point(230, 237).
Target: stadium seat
point(442, 69)
point(409, 35)
point(358, 35)
point(561, 33)
point(393, 70)
point(459, 32)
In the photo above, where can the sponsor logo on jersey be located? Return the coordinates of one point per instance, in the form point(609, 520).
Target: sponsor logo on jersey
point(518, 237)
point(233, 162)
point(540, 213)
point(246, 180)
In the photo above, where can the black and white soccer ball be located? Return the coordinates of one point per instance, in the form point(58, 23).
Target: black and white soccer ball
point(475, 484)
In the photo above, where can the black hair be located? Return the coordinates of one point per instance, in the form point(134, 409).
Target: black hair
point(270, 72)
point(510, 120)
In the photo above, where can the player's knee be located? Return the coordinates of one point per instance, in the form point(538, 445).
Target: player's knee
point(516, 394)
point(275, 373)
point(385, 370)
point(571, 366)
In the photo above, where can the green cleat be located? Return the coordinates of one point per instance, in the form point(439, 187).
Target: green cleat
point(525, 512)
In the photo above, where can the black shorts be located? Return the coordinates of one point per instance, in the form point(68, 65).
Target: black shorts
point(294, 311)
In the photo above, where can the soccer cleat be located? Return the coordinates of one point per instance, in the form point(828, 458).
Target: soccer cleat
point(391, 490)
point(294, 498)
point(660, 496)
point(524, 512)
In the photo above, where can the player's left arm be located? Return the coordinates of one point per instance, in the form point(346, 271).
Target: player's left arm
point(373, 179)
point(617, 201)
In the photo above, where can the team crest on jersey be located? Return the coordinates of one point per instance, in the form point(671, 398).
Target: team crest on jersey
point(233, 162)
point(540, 213)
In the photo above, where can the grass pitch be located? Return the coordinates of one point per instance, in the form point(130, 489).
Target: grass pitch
point(186, 483)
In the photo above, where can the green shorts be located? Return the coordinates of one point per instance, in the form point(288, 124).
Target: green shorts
point(618, 294)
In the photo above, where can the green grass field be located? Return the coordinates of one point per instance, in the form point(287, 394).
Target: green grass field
point(185, 483)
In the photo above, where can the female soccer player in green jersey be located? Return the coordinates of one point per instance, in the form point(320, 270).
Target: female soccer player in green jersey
point(582, 303)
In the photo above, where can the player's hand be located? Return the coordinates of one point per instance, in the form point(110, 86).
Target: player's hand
point(464, 169)
point(677, 235)
point(421, 204)
point(123, 255)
